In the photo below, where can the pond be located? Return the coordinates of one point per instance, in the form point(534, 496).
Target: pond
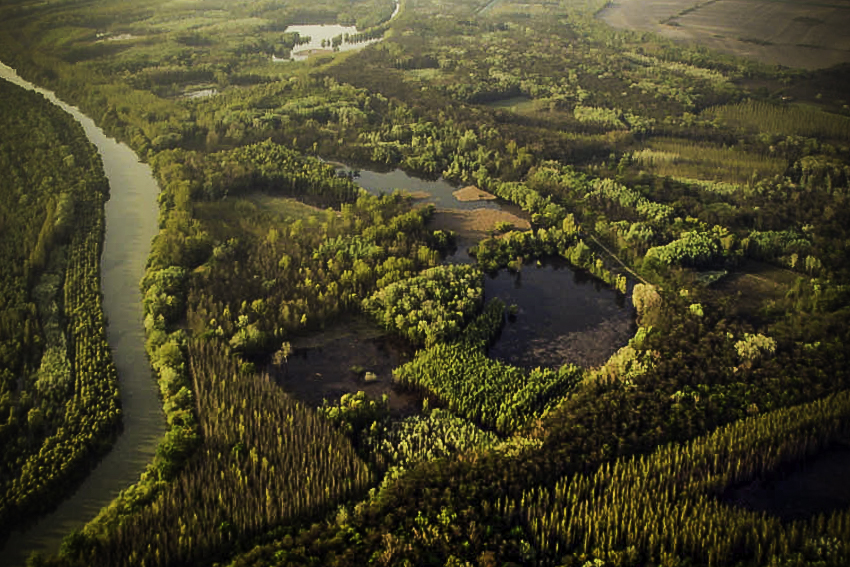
point(816, 486)
point(471, 216)
point(349, 357)
point(322, 37)
point(563, 315)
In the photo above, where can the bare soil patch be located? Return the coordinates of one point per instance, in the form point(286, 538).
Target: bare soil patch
point(475, 224)
point(793, 34)
point(473, 193)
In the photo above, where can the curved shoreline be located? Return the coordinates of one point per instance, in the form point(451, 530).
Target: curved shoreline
point(131, 222)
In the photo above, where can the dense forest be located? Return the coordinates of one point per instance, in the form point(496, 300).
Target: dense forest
point(59, 392)
point(710, 192)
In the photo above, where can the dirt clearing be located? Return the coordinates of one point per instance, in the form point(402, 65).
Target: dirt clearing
point(476, 224)
point(794, 34)
point(473, 193)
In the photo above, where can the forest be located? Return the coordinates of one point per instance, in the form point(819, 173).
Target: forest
point(59, 390)
point(708, 192)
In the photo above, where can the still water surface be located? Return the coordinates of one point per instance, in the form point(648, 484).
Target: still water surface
point(349, 357)
point(816, 486)
point(563, 315)
point(131, 223)
point(321, 39)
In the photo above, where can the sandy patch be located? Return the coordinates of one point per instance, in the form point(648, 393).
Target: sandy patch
point(419, 195)
point(476, 224)
point(472, 193)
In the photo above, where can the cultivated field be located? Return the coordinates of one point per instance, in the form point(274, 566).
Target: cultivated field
point(804, 34)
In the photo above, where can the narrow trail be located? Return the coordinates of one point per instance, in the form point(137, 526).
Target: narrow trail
point(489, 6)
point(617, 258)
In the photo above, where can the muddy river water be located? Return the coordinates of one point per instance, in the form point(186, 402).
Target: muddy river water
point(131, 223)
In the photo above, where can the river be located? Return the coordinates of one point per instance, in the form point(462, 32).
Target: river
point(131, 223)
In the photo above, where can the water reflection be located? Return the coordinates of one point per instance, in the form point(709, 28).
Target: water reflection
point(815, 487)
point(321, 40)
point(345, 359)
point(562, 315)
point(470, 220)
point(439, 191)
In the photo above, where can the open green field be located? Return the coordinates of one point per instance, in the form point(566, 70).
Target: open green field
point(757, 283)
point(241, 214)
point(810, 35)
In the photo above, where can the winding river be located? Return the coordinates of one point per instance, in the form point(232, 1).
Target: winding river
point(131, 223)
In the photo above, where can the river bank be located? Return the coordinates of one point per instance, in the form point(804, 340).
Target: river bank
point(131, 223)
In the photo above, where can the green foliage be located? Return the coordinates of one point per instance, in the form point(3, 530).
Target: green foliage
point(439, 434)
point(754, 347)
point(714, 163)
point(502, 95)
point(626, 365)
point(495, 253)
point(693, 249)
point(266, 167)
point(164, 293)
point(306, 273)
point(787, 120)
point(498, 396)
point(638, 501)
point(355, 413)
point(773, 244)
point(431, 307)
point(244, 477)
point(605, 116)
point(607, 190)
point(58, 385)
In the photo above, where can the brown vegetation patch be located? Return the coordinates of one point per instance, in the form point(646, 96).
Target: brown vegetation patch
point(473, 193)
point(420, 195)
point(757, 283)
point(312, 52)
point(475, 224)
point(795, 34)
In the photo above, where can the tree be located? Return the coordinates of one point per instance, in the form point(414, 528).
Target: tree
point(647, 302)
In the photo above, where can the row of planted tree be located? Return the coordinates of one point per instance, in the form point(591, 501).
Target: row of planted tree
point(59, 385)
point(697, 190)
point(656, 390)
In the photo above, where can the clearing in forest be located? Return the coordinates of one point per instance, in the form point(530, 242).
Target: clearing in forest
point(810, 35)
